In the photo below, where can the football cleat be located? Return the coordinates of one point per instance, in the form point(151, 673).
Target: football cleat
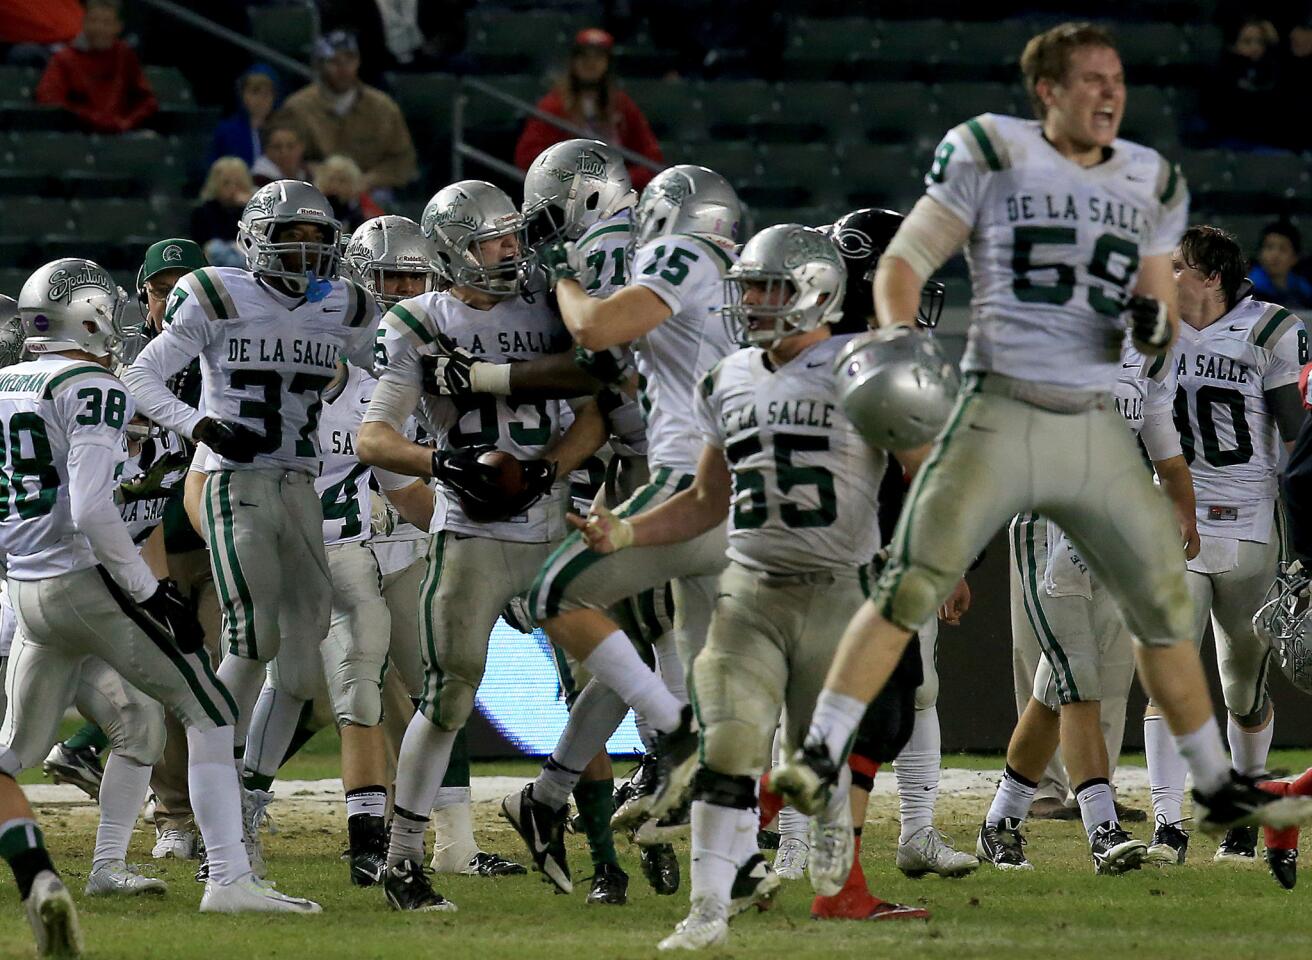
point(367, 853)
point(1240, 802)
point(768, 840)
point(675, 763)
point(832, 848)
point(806, 778)
point(673, 825)
point(610, 886)
point(1115, 851)
point(755, 885)
point(80, 767)
point(1239, 845)
point(492, 865)
point(543, 832)
point(114, 878)
point(175, 843)
point(661, 868)
point(252, 895)
point(1283, 865)
point(790, 861)
point(53, 917)
point(1170, 843)
point(1003, 845)
point(368, 867)
point(406, 887)
point(861, 904)
point(928, 851)
point(707, 925)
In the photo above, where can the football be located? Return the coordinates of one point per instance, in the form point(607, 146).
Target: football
point(510, 472)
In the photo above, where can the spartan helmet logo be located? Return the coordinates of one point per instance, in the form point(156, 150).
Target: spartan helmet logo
point(172, 253)
point(805, 246)
point(677, 188)
point(63, 283)
point(855, 244)
point(263, 201)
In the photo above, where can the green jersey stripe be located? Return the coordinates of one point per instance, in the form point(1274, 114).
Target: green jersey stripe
point(411, 322)
point(587, 238)
point(710, 245)
point(358, 305)
point(985, 144)
point(1157, 366)
point(1061, 666)
point(427, 605)
point(234, 562)
point(61, 381)
point(1172, 182)
point(1280, 321)
point(216, 294)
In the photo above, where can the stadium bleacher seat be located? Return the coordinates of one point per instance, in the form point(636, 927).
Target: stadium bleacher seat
point(738, 162)
point(425, 99)
point(289, 28)
point(521, 43)
point(830, 49)
point(834, 107)
point(810, 169)
point(672, 107)
point(911, 49)
point(888, 176)
point(1150, 119)
point(981, 51)
point(958, 102)
point(901, 113)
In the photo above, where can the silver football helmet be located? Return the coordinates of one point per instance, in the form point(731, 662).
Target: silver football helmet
point(896, 387)
point(572, 185)
point(11, 331)
point(389, 245)
point(688, 199)
point(1282, 622)
point(463, 216)
point(74, 304)
point(794, 277)
point(297, 264)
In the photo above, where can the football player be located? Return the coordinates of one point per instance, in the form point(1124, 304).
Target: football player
point(492, 539)
point(78, 584)
point(1238, 408)
point(1079, 688)
point(797, 485)
point(1071, 232)
point(268, 338)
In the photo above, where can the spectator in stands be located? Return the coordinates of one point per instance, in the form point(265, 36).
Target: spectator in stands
point(1242, 108)
point(339, 114)
point(399, 35)
point(1273, 274)
point(1296, 80)
point(588, 97)
point(214, 222)
point(240, 135)
point(283, 157)
point(339, 179)
point(34, 29)
point(98, 77)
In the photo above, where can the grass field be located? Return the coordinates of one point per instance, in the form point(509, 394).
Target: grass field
point(1203, 910)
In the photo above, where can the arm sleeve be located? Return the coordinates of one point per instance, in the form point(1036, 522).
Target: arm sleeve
point(387, 480)
point(1173, 194)
point(185, 335)
point(1160, 437)
point(704, 411)
point(93, 455)
point(396, 364)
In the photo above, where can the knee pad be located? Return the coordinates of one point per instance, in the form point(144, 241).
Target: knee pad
point(10, 765)
point(724, 791)
point(455, 702)
point(1257, 716)
point(736, 748)
point(908, 596)
point(359, 702)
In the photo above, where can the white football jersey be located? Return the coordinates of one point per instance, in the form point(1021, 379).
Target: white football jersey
point(606, 253)
point(265, 359)
point(1230, 437)
point(687, 272)
point(343, 484)
point(1054, 248)
point(513, 329)
point(805, 485)
point(46, 407)
point(142, 497)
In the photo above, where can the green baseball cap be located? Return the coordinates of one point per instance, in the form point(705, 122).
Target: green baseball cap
point(173, 253)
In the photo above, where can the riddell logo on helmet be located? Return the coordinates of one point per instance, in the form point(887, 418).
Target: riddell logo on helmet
point(312, 211)
point(64, 282)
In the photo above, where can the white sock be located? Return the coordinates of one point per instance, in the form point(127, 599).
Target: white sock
point(272, 727)
point(1013, 799)
point(596, 714)
point(453, 834)
point(216, 801)
point(670, 667)
point(420, 770)
point(366, 802)
point(917, 769)
point(646, 733)
point(122, 792)
point(244, 680)
point(1203, 751)
point(554, 784)
point(834, 721)
point(1097, 805)
point(1166, 770)
point(716, 835)
point(793, 824)
point(452, 796)
point(1249, 751)
point(616, 664)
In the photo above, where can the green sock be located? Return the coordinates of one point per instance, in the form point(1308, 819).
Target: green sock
point(596, 802)
point(457, 771)
point(24, 849)
point(89, 735)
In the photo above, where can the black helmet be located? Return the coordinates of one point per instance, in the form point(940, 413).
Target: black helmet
point(861, 237)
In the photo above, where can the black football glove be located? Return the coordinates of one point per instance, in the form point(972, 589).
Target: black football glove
point(473, 483)
point(1150, 326)
point(539, 475)
point(175, 616)
point(609, 366)
point(232, 441)
point(447, 373)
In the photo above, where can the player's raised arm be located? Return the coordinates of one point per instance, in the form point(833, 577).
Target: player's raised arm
point(186, 332)
point(928, 237)
point(1153, 312)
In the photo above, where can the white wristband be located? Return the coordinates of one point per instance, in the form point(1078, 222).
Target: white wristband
point(490, 378)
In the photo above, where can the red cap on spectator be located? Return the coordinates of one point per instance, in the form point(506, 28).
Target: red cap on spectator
point(594, 37)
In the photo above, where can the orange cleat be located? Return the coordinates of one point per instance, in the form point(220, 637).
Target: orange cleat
point(769, 804)
point(853, 904)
